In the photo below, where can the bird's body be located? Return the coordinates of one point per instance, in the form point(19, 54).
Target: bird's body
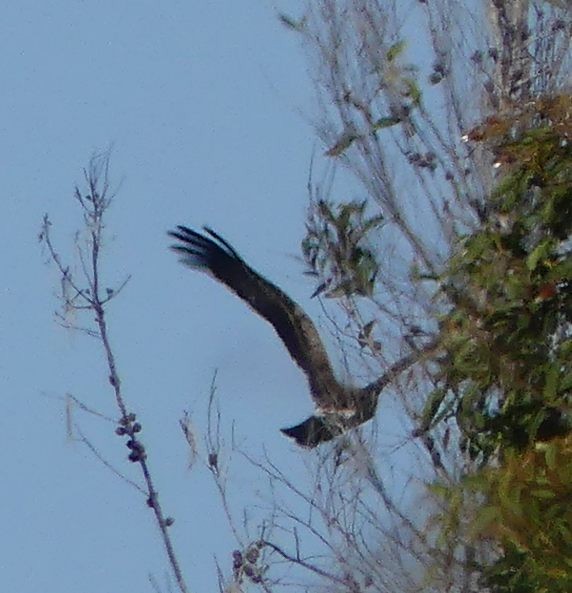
point(338, 407)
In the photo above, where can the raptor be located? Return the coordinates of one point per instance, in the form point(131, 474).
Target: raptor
point(339, 407)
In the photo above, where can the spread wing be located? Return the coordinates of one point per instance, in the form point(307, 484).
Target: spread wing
point(211, 253)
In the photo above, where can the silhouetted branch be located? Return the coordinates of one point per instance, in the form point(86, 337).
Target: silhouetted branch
point(89, 295)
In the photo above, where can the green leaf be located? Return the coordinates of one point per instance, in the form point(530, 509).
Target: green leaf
point(385, 122)
point(413, 91)
point(550, 455)
point(552, 380)
point(395, 50)
point(486, 516)
point(347, 138)
point(544, 494)
point(540, 252)
point(431, 407)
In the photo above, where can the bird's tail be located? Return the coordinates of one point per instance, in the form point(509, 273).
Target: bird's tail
point(313, 431)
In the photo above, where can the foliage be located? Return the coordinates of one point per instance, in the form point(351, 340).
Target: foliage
point(507, 333)
point(334, 248)
point(490, 247)
point(507, 375)
point(528, 508)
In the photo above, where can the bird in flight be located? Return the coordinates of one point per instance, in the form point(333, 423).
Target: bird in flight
point(338, 407)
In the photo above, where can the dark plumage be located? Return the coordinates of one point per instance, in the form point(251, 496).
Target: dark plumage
point(338, 407)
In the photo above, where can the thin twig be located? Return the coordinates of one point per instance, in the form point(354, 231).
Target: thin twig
point(94, 205)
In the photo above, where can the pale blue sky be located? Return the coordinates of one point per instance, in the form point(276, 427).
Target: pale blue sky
point(200, 101)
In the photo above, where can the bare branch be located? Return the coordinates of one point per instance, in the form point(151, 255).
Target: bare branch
point(95, 203)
